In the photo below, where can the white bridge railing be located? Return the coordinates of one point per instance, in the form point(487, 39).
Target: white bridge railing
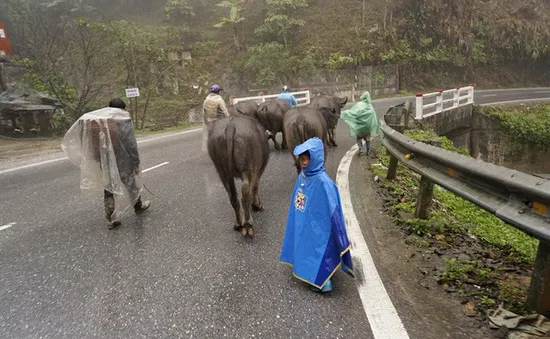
point(303, 98)
point(443, 100)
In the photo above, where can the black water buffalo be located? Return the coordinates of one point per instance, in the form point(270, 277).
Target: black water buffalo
point(271, 114)
point(302, 123)
point(239, 149)
point(247, 108)
point(330, 107)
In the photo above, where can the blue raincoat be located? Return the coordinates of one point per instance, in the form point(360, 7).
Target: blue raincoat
point(288, 98)
point(316, 242)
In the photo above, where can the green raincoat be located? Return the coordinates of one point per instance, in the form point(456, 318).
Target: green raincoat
point(362, 118)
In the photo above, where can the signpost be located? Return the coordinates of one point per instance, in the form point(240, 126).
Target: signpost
point(132, 92)
point(5, 44)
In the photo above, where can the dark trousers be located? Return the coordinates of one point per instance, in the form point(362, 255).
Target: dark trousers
point(109, 201)
point(360, 144)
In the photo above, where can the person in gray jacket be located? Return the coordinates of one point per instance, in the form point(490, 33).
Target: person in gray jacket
point(213, 108)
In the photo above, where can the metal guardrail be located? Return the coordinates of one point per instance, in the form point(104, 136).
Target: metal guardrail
point(441, 103)
point(519, 199)
point(303, 98)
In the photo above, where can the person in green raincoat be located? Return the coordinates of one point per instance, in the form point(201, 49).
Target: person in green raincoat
point(362, 121)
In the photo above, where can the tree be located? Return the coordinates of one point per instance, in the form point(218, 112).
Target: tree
point(63, 55)
point(281, 18)
point(144, 59)
point(272, 64)
point(178, 11)
point(234, 18)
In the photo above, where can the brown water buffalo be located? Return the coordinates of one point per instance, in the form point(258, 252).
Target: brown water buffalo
point(239, 149)
point(330, 107)
point(271, 114)
point(247, 108)
point(302, 123)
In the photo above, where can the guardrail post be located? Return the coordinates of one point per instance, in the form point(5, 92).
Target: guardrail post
point(406, 116)
point(392, 168)
point(456, 98)
point(308, 97)
point(439, 101)
point(394, 162)
point(419, 105)
point(539, 291)
point(424, 198)
point(471, 94)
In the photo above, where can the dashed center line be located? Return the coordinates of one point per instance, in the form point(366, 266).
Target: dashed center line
point(5, 227)
point(155, 167)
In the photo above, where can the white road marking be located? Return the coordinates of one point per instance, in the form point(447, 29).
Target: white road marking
point(516, 101)
point(542, 92)
point(488, 95)
point(170, 135)
point(382, 316)
point(155, 167)
point(65, 158)
point(5, 227)
point(32, 165)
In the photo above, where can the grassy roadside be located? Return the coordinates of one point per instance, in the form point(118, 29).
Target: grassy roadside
point(479, 258)
point(528, 124)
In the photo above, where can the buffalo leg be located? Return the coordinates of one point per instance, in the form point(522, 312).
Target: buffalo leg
point(229, 185)
point(256, 203)
point(331, 137)
point(246, 201)
point(283, 144)
point(273, 137)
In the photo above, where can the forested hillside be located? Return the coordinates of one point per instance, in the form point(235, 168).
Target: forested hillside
point(82, 50)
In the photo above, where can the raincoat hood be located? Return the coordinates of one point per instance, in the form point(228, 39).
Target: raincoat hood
point(317, 155)
point(366, 97)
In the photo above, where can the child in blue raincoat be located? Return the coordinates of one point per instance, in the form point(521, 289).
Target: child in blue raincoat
point(316, 242)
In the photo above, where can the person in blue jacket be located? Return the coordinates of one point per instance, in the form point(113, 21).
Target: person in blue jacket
point(315, 243)
point(288, 97)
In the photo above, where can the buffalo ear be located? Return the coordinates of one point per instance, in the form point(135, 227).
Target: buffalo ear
point(343, 102)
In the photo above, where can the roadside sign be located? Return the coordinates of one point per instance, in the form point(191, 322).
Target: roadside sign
point(5, 44)
point(132, 92)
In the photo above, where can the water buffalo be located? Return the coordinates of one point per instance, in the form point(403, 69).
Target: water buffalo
point(271, 114)
point(302, 123)
point(247, 108)
point(330, 107)
point(239, 149)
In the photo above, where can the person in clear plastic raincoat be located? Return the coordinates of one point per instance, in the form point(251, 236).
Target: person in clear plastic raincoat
point(315, 243)
point(362, 121)
point(102, 144)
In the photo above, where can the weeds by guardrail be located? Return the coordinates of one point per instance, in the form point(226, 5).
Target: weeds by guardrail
point(519, 199)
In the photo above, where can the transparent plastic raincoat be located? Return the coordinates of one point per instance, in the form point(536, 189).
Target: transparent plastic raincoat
point(362, 118)
point(102, 144)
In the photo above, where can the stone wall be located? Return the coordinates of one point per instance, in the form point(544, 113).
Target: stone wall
point(350, 82)
point(498, 147)
point(482, 134)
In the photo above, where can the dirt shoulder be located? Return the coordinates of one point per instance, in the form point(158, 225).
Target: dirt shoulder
point(18, 149)
point(426, 310)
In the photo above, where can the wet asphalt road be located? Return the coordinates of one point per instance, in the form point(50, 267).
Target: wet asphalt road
point(177, 271)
